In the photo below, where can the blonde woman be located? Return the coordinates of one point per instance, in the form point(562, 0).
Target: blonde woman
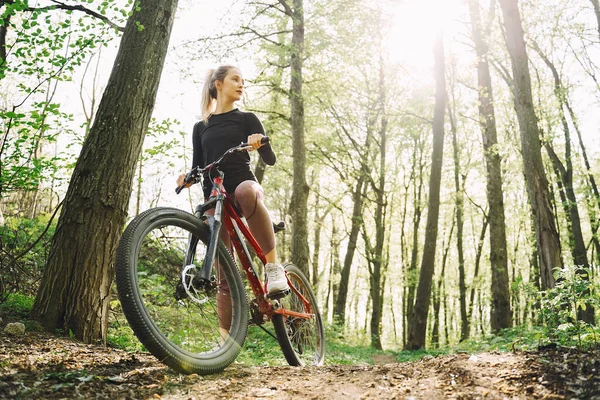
point(224, 126)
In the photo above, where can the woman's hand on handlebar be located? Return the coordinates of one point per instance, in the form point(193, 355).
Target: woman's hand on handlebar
point(255, 140)
point(181, 182)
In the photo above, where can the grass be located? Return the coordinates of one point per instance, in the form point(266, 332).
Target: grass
point(16, 305)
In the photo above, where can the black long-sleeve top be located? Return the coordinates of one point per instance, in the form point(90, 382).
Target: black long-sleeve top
point(222, 132)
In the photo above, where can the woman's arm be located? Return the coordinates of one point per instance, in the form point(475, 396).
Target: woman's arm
point(256, 128)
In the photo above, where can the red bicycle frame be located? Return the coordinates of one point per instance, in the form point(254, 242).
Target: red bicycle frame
point(238, 230)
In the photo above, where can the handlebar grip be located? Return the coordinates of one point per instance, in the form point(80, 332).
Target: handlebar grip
point(265, 140)
point(179, 189)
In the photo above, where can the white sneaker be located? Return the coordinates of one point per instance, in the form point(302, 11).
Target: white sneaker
point(276, 279)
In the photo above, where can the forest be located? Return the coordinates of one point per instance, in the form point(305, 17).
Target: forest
point(436, 160)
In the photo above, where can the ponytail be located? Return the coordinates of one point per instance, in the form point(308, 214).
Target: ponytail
point(209, 90)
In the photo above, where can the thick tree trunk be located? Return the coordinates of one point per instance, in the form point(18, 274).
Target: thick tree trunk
point(300, 189)
point(418, 327)
point(500, 313)
point(547, 239)
point(74, 292)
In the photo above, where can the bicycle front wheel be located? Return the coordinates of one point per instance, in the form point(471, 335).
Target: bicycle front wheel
point(302, 340)
point(192, 325)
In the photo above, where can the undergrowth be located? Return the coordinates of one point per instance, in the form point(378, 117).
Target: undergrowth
point(558, 325)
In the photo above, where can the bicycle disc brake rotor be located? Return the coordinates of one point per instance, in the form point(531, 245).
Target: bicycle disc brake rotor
point(187, 279)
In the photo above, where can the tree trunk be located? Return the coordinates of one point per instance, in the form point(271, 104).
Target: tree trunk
point(411, 273)
point(565, 175)
point(300, 189)
point(547, 239)
point(378, 261)
point(596, 5)
point(464, 320)
point(418, 328)
point(75, 288)
point(594, 222)
point(336, 265)
point(318, 225)
point(500, 313)
point(357, 200)
point(3, 33)
point(437, 293)
point(476, 271)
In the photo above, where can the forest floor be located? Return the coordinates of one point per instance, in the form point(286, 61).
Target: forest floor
point(45, 366)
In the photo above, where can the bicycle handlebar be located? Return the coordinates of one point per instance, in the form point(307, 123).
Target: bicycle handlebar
point(195, 174)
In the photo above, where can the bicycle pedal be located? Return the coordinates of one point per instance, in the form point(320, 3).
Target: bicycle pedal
point(278, 295)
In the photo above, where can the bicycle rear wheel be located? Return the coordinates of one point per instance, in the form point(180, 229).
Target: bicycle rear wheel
point(193, 326)
point(302, 341)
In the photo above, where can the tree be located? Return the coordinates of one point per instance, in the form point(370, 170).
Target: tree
point(40, 46)
point(500, 313)
point(300, 188)
point(596, 5)
point(564, 174)
point(418, 326)
point(376, 254)
point(74, 292)
point(547, 239)
point(459, 204)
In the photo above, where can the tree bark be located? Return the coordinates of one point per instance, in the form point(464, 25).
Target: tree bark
point(437, 293)
point(594, 222)
point(462, 297)
point(596, 5)
point(378, 259)
point(565, 174)
point(336, 266)
point(418, 327)
point(547, 239)
point(300, 188)
point(500, 313)
point(75, 288)
point(356, 223)
point(476, 271)
point(412, 273)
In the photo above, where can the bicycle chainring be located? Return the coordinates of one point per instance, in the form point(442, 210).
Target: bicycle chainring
point(256, 316)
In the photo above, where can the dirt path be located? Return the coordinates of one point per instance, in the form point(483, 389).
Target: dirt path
point(44, 366)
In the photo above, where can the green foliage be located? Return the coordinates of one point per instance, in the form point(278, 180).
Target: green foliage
point(122, 337)
point(558, 317)
point(25, 167)
point(17, 305)
point(516, 338)
point(24, 251)
point(576, 289)
point(44, 46)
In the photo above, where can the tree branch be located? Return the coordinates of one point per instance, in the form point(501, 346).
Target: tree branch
point(63, 6)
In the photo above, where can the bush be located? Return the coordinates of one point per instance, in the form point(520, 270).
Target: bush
point(24, 251)
point(575, 290)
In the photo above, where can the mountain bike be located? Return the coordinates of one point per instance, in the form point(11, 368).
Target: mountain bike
point(183, 294)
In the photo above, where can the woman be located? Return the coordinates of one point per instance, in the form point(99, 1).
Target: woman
point(224, 126)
